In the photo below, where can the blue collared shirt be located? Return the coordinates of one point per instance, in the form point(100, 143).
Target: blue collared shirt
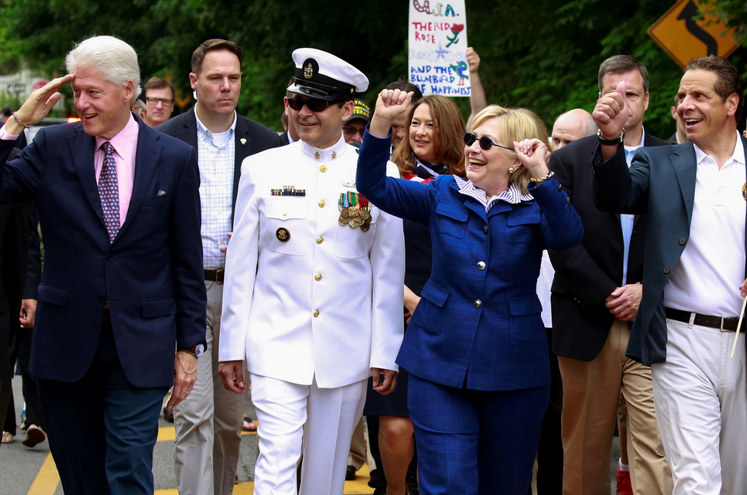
point(216, 156)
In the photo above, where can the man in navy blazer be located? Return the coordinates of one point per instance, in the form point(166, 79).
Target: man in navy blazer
point(122, 284)
point(208, 425)
point(595, 294)
point(695, 196)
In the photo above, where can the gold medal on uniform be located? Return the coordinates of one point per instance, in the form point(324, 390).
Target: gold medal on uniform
point(354, 211)
point(744, 191)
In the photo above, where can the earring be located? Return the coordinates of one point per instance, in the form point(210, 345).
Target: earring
point(511, 170)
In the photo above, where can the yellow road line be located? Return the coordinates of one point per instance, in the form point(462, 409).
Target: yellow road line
point(168, 433)
point(47, 478)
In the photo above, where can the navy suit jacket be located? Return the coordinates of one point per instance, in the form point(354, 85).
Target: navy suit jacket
point(661, 183)
point(478, 323)
point(251, 138)
point(151, 274)
point(586, 275)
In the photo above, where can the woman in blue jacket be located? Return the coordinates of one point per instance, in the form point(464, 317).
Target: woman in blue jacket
point(475, 347)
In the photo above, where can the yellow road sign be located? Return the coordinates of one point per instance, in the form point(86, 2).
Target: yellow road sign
point(684, 38)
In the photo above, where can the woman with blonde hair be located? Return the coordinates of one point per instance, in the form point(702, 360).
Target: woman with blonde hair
point(476, 347)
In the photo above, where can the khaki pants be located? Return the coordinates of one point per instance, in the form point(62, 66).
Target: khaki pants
point(591, 391)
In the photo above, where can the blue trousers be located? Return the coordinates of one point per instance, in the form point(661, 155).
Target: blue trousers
point(102, 429)
point(465, 437)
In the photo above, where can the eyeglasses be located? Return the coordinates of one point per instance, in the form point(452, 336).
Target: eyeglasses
point(155, 101)
point(485, 142)
point(312, 104)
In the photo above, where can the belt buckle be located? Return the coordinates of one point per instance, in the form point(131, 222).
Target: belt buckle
point(220, 276)
point(722, 324)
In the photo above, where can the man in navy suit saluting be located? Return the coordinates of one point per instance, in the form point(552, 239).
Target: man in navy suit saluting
point(122, 285)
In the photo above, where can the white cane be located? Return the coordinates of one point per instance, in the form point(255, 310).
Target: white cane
point(739, 326)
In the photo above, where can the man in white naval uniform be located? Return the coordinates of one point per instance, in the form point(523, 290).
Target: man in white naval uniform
point(313, 292)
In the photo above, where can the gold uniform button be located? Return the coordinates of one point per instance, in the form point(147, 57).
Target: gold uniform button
point(319, 240)
point(322, 204)
point(323, 168)
point(318, 277)
point(316, 313)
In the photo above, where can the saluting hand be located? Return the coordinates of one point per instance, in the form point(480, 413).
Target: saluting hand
point(389, 105)
point(38, 104)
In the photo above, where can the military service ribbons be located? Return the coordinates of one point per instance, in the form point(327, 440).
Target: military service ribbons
point(354, 211)
point(288, 191)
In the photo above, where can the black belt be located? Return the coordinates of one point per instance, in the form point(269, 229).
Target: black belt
point(215, 275)
point(725, 324)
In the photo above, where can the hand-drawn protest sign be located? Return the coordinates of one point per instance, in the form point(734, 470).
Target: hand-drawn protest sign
point(438, 46)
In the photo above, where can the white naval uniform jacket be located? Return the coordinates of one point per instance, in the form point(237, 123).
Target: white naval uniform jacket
point(327, 302)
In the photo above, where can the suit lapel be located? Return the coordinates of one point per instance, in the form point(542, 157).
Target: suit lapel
point(685, 168)
point(82, 149)
point(149, 150)
point(470, 202)
point(188, 133)
point(243, 148)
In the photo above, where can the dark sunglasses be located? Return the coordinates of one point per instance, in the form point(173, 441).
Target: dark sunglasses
point(485, 142)
point(313, 104)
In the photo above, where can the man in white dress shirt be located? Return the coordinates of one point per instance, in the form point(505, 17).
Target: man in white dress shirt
point(695, 195)
point(313, 294)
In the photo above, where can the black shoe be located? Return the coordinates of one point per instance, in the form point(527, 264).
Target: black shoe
point(350, 473)
point(34, 436)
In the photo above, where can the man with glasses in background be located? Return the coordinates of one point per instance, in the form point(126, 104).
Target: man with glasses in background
point(159, 101)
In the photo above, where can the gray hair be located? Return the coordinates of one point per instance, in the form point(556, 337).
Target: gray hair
point(116, 60)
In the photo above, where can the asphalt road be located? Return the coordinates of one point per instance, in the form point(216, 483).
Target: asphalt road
point(31, 471)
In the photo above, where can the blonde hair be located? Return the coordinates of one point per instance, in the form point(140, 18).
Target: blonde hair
point(514, 124)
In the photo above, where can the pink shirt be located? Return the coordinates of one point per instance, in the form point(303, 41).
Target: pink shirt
point(125, 148)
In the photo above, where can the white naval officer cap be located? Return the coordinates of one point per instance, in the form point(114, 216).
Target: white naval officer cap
point(324, 76)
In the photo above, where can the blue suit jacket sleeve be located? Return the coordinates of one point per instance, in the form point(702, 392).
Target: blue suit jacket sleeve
point(399, 197)
point(186, 258)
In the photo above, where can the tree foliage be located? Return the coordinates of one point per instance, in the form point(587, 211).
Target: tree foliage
point(541, 54)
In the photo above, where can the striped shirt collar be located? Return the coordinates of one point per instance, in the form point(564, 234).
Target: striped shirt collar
point(512, 195)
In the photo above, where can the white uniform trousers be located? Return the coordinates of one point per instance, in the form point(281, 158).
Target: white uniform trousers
point(208, 423)
point(295, 418)
point(701, 407)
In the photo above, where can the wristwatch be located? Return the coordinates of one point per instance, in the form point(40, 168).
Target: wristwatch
point(613, 141)
point(196, 350)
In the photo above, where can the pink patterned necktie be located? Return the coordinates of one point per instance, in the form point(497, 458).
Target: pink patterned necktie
point(109, 191)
